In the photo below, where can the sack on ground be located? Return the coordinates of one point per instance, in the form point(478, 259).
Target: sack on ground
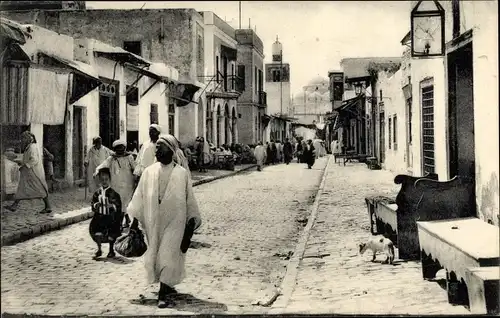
point(131, 244)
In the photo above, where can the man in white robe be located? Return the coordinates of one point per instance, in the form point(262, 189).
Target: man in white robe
point(260, 155)
point(95, 156)
point(146, 156)
point(165, 206)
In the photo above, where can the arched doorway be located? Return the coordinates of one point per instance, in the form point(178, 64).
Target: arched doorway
point(233, 125)
point(200, 117)
point(218, 132)
point(227, 129)
point(208, 123)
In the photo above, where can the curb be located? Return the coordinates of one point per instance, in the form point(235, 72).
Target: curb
point(37, 230)
point(288, 284)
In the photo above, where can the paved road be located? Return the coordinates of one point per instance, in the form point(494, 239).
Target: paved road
point(345, 282)
point(66, 203)
point(247, 219)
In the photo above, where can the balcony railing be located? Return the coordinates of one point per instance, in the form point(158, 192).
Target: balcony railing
point(235, 83)
point(262, 98)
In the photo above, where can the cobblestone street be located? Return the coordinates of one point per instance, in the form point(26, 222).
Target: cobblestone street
point(334, 278)
point(68, 205)
point(248, 218)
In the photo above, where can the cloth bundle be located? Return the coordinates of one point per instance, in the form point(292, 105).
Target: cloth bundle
point(131, 244)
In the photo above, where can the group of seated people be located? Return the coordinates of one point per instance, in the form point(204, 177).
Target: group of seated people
point(222, 157)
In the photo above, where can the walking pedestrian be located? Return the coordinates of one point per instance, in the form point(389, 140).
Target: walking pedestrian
point(165, 206)
point(32, 183)
point(309, 156)
point(95, 156)
point(260, 156)
point(146, 156)
point(122, 166)
point(287, 151)
point(274, 153)
point(107, 207)
point(279, 151)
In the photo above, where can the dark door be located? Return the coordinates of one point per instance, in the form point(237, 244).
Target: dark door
point(109, 123)
point(461, 113)
point(78, 173)
point(382, 137)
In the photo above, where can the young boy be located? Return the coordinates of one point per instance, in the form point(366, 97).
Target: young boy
point(105, 226)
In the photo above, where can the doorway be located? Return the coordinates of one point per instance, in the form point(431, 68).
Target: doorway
point(461, 115)
point(109, 123)
point(78, 152)
point(54, 140)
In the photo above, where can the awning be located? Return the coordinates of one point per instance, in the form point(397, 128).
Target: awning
point(13, 31)
point(14, 52)
point(184, 93)
point(229, 52)
point(149, 73)
point(85, 79)
point(122, 56)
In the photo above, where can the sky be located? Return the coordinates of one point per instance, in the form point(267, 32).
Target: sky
point(315, 35)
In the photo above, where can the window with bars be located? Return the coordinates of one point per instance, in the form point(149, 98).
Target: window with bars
point(153, 114)
point(171, 118)
point(428, 129)
point(389, 124)
point(395, 132)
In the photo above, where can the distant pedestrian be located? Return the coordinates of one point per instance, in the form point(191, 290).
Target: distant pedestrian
point(48, 167)
point(146, 156)
point(309, 154)
point(165, 206)
point(287, 151)
point(274, 153)
point(95, 156)
point(299, 150)
point(122, 166)
point(260, 155)
point(106, 204)
point(279, 152)
point(32, 183)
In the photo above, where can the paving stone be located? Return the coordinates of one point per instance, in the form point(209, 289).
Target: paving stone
point(238, 219)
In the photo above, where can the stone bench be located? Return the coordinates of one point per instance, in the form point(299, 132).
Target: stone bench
point(483, 284)
point(426, 199)
point(382, 215)
point(457, 245)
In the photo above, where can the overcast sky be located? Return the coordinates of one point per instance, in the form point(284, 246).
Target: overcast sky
point(316, 35)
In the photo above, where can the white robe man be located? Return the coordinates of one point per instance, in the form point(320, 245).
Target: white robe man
point(146, 156)
point(165, 206)
point(260, 155)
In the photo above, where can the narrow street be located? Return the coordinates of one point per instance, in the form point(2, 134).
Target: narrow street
point(334, 278)
point(248, 218)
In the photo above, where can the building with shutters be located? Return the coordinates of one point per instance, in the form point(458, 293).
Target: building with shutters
point(252, 102)
point(224, 86)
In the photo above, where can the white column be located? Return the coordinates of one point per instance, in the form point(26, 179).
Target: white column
point(215, 130)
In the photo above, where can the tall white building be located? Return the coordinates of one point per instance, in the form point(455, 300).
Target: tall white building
point(278, 95)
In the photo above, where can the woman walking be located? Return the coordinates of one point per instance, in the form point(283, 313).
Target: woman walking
point(32, 183)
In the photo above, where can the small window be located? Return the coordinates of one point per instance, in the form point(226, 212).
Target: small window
point(241, 74)
point(395, 132)
point(276, 76)
point(390, 132)
point(153, 115)
point(132, 98)
point(133, 47)
point(171, 118)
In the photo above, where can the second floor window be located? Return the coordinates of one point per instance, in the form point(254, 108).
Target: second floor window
point(153, 115)
point(133, 47)
point(276, 76)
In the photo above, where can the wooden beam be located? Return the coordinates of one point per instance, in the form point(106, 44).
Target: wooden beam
point(149, 88)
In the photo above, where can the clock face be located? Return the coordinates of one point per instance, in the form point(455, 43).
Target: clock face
point(427, 39)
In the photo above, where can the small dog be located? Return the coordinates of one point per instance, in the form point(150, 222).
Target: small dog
point(377, 244)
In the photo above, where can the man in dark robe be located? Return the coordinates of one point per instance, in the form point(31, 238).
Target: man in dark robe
point(309, 156)
point(287, 151)
point(274, 153)
point(268, 153)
